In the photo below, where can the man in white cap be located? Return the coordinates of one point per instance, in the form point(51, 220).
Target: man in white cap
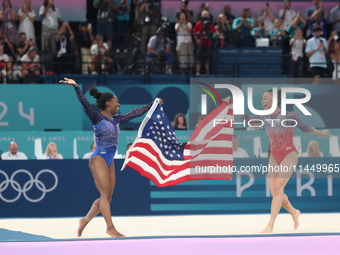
point(13, 153)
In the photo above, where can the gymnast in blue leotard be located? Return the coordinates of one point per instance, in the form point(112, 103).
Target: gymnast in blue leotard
point(106, 129)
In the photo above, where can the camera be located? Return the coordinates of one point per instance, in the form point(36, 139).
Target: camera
point(206, 22)
point(184, 4)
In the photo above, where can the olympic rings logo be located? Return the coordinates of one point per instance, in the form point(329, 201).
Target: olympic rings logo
point(27, 186)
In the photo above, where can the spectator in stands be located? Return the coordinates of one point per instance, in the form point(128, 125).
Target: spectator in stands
point(222, 24)
point(277, 34)
point(321, 22)
point(180, 122)
point(256, 125)
point(248, 11)
point(268, 19)
point(88, 155)
point(184, 46)
point(84, 41)
point(128, 146)
point(150, 16)
point(159, 47)
point(26, 17)
point(199, 119)
point(184, 9)
point(237, 151)
point(229, 16)
point(245, 26)
point(31, 62)
point(316, 50)
point(50, 16)
point(334, 17)
point(100, 56)
point(52, 152)
point(287, 15)
point(259, 31)
point(318, 6)
point(8, 23)
point(333, 38)
point(205, 7)
point(13, 153)
point(10, 73)
point(138, 15)
point(298, 21)
point(7, 46)
point(297, 44)
point(3, 58)
point(105, 18)
point(24, 45)
point(313, 150)
point(335, 57)
point(202, 34)
point(64, 59)
point(123, 8)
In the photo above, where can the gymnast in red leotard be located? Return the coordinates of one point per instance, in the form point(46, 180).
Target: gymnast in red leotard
point(283, 153)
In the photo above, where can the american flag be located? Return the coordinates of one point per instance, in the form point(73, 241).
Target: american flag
point(159, 156)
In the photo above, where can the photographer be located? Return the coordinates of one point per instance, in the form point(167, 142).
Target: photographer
point(149, 21)
point(202, 32)
point(7, 46)
point(24, 45)
point(184, 9)
point(205, 7)
point(245, 26)
point(105, 18)
point(159, 47)
point(122, 21)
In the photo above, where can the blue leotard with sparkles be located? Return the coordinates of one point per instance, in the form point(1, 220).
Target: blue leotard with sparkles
point(107, 130)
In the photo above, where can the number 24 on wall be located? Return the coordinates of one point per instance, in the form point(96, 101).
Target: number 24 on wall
point(30, 117)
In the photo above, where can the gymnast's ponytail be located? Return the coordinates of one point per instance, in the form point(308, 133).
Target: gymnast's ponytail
point(102, 98)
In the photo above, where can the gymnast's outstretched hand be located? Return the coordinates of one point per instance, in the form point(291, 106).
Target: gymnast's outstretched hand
point(69, 82)
point(160, 100)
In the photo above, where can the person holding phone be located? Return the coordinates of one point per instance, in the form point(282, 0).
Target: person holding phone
point(50, 23)
point(316, 50)
point(287, 15)
point(8, 23)
point(268, 19)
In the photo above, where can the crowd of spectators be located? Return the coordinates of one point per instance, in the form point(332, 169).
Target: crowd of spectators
point(194, 42)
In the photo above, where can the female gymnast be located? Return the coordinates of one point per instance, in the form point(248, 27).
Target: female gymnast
point(283, 153)
point(106, 129)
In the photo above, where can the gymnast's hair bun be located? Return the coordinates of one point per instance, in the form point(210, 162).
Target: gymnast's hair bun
point(95, 93)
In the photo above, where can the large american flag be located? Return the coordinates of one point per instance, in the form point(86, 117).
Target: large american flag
point(159, 156)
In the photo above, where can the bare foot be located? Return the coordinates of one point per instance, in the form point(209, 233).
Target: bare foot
point(82, 225)
point(114, 233)
point(267, 230)
point(296, 219)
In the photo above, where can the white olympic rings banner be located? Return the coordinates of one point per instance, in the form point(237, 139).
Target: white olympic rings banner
point(27, 186)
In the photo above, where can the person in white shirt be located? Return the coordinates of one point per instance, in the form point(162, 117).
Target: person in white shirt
point(100, 55)
point(13, 153)
point(287, 15)
point(52, 152)
point(50, 16)
point(88, 155)
point(31, 62)
point(238, 152)
point(297, 44)
point(184, 47)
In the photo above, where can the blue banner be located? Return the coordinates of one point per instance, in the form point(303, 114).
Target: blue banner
point(66, 189)
point(39, 107)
